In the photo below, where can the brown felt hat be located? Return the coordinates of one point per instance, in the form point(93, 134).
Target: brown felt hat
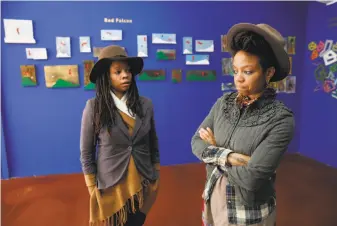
point(275, 40)
point(114, 53)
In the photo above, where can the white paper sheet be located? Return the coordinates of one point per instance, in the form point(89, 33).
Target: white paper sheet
point(142, 46)
point(85, 46)
point(63, 47)
point(36, 53)
point(18, 31)
point(111, 35)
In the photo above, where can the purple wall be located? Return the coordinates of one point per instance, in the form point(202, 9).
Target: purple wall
point(318, 135)
point(42, 125)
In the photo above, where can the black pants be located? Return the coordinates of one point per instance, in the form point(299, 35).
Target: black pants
point(135, 219)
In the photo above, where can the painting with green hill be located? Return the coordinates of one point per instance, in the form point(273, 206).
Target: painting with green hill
point(28, 75)
point(88, 65)
point(61, 76)
point(152, 75)
point(166, 54)
point(201, 75)
point(176, 75)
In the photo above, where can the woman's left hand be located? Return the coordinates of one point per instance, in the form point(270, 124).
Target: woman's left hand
point(207, 135)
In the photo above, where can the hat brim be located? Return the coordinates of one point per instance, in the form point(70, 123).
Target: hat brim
point(281, 55)
point(103, 65)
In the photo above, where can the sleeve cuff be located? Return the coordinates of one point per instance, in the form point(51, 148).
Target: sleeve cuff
point(90, 180)
point(216, 155)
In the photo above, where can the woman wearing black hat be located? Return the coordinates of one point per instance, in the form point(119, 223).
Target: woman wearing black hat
point(246, 132)
point(123, 175)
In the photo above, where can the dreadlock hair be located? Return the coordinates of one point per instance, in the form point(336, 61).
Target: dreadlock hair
point(255, 44)
point(105, 109)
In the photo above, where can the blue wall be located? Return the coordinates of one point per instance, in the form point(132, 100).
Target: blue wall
point(42, 125)
point(318, 138)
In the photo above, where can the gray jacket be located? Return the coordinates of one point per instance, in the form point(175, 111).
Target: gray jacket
point(262, 130)
point(114, 149)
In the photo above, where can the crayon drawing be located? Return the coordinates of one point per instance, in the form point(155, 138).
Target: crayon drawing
point(161, 38)
point(204, 46)
point(85, 46)
point(111, 35)
point(63, 47)
point(176, 75)
point(28, 75)
point(201, 75)
point(197, 59)
point(61, 76)
point(142, 50)
point(88, 65)
point(166, 54)
point(152, 75)
point(224, 43)
point(187, 45)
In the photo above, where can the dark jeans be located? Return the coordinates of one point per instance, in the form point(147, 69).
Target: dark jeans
point(136, 219)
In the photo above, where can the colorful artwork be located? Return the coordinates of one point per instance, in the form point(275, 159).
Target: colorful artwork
point(97, 51)
point(28, 75)
point(197, 59)
point(227, 66)
point(161, 38)
point(63, 47)
point(61, 76)
point(291, 45)
point(152, 75)
point(291, 84)
point(329, 57)
point(187, 45)
point(326, 47)
point(176, 75)
point(224, 43)
point(88, 65)
point(111, 35)
point(228, 87)
point(36, 53)
point(166, 54)
point(85, 46)
point(282, 86)
point(285, 44)
point(204, 46)
point(18, 31)
point(201, 75)
point(312, 46)
point(142, 50)
point(291, 65)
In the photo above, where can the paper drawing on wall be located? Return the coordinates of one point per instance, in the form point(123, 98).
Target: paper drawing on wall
point(61, 76)
point(162, 38)
point(201, 75)
point(176, 75)
point(88, 65)
point(152, 75)
point(28, 75)
point(166, 54)
point(312, 46)
point(85, 46)
point(197, 59)
point(227, 66)
point(291, 65)
point(187, 45)
point(285, 44)
point(291, 84)
point(330, 57)
point(227, 87)
point(321, 73)
point(314, 54)
point(204, 46)
point(224, 43)
point(97, 51)
point(334, 48)
point(142, 50)
point(111, 35)
point(63, 47)
point(282, 86)
point(326, 47)
point(291, 45)
point(18, 31)
point(36, 53)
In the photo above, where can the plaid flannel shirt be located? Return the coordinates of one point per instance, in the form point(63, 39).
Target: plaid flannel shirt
point(237, 213)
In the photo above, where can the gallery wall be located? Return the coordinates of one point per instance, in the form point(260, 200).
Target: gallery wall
point(318, 138)
point(42, 125)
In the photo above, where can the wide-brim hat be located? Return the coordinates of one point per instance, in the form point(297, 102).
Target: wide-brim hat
point(275, 40)
point(115, 53)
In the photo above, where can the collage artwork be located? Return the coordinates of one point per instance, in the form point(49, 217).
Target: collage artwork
point(196, 51)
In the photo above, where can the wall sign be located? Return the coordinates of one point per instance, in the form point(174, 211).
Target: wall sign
point(118, 20)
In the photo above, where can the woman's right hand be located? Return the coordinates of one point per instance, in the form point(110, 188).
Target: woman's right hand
point(236, 159)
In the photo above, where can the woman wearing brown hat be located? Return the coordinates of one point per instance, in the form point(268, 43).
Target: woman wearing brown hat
point(246, 132)
point(123, 175)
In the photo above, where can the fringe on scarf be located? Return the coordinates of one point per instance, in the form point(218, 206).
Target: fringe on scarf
point(119, 219)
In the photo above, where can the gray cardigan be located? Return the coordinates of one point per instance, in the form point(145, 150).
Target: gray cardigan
point(262, 130)
point(114, 149)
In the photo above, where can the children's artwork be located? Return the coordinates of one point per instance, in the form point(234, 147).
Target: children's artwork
point(329, 57)
point(204, 45)
point(176, 75)
point(197, 59)
point(85, 46)
point(224, 43)
point(152, 75)
point(327, 47)
point(28, 75)
point(142, 46)
point(285, 44)
point(227, 66)
point(291, 65)
point(166, 54)
point(291, 45)
point(88, 65)
point(290, 84)
point(111, 35)
point(200, 75)
point(314, 54)
point(227, 87)
point(334, 47)
point(97, 51)
point(161, 38)
point(18, 31)
point(320, 73)
point(61, 76)
point(312, 46)
point(36, 53)
point(63, 47)
point(187, 45)
point(281, 88)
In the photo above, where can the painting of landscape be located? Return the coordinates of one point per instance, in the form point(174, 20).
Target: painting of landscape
point(61, 76)
point(152, 75)
point(201, 75)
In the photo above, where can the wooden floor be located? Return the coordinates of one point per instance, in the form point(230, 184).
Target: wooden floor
point(306, 196)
